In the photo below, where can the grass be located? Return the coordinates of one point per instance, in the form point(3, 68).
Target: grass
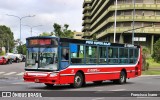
point(151, 72)
point(152, 63)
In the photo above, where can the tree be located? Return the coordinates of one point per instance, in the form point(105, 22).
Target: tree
point(22, 49)
point(63, 31)
point(156, 51)
point(6, 37)
point(46, 34)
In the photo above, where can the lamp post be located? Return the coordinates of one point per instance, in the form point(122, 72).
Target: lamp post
point(115, 22)
point(133, 15)
point(31, 27)
point(20, 20)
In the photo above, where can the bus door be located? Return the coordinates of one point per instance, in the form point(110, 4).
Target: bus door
point(64, 57)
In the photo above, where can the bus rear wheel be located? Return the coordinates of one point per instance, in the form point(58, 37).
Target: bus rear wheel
point(122, 78)
point(78, 80)
point(49, 85)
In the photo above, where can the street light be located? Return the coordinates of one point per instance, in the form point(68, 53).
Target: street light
point(31, 27)
point(20, 19)
point(115, 22)
point(133, 15)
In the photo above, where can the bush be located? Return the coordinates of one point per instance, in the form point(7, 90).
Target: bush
point(156, 51)
point(145, 64)
point(2, 53)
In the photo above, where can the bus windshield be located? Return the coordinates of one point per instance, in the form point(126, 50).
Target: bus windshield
point(42, 58)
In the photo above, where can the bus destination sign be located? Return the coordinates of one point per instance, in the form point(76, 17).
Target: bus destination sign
point(40, 42)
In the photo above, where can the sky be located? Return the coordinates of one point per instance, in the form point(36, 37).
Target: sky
point(47, 12)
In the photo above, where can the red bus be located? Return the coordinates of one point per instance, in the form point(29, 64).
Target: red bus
point(53, 60)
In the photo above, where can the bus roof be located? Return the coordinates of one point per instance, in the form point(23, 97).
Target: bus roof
point(85, 41)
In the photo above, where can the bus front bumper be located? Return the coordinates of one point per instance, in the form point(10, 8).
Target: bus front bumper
point(49, 78)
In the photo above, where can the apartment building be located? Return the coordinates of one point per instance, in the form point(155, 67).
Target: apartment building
point(99, 17)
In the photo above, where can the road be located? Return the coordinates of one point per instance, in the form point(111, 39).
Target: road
point(10, 81)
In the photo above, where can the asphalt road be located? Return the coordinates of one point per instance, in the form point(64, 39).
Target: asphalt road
point(14, 82)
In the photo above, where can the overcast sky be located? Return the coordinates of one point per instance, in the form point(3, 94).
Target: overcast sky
point(47, 12)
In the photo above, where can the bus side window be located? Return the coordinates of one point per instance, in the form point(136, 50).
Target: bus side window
point(64, 58)
point(77, 54)
point(113, 55)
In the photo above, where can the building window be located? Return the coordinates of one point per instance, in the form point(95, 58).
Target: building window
point(127, 24)
point(127, 12)
point(148, 1)
point(149, 13)
point(157, 24)
point(157, 13)
point(128, 1)
point(78, 34)
point(139, 1)
point(158, 1)
point(139, 13)
point(142, 39)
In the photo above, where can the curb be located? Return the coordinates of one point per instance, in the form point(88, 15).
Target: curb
point(148, 75)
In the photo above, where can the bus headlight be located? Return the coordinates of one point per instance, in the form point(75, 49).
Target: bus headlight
point(53, 74)
point(25, 74)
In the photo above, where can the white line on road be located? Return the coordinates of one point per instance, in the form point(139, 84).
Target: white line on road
point(118, 90)
point(2, 72)
point(21, 83)
point(20, 73)
point(10, 73)
point(97, 98)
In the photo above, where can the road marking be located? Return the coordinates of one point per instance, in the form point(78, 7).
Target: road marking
point(21, 83)
point(97, 98)
point(118, 90)
point(2, 72)
point(20, 73)
point(74, 89)
point(10, 73)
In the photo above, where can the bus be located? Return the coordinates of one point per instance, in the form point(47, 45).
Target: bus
point(55, 61)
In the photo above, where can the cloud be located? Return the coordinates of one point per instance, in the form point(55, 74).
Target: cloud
point(47, 12)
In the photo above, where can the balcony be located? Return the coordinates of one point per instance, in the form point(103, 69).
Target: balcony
point(87, 21)
point(85, 28)
point(86, 15)
point(86, 34)
point(87, 8)
point(124, 7)
point(127, 18)
point(147, 30)
point(86, 2)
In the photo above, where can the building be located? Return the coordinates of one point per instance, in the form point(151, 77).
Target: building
point(98, 16)
point(78, 35)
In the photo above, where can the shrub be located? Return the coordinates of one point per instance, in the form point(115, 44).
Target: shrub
point(156, 51)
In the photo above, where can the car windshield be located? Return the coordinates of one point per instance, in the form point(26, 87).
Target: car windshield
point(42, 58)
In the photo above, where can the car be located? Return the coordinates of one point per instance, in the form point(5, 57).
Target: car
point(15, 57)
point(3, 60)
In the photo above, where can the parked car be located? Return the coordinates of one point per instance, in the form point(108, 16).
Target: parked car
point(15, 57)
point(3, 60)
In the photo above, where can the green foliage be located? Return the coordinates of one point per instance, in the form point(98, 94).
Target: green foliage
point(2, 53)
point(145, 64)
point(62, 31)
point(6, 37)
point(46, 34)
point(22, 49)
point(156, 51)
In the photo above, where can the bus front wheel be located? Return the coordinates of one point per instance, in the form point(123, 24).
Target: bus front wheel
point(78, 80)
